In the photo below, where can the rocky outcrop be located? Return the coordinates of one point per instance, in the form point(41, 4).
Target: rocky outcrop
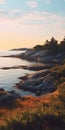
point(7, 99)
point(35, 67)
point(38, 66)
point(40, 82)
point(42, 56)
point(38, 56)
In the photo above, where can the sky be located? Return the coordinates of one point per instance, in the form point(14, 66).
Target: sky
point(26, 23)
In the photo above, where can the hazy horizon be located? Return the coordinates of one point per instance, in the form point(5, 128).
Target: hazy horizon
point(27, 23)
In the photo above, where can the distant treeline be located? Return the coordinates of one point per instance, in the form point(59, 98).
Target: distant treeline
point(52, 46)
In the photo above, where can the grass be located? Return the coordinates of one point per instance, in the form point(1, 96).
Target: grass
point(35, 113)
point(60, 69)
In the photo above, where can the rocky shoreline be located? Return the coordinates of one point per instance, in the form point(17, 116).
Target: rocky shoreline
point(42, 57)
point(29, 80)
point(42, 81)
point(7, 98)
point(35, 67)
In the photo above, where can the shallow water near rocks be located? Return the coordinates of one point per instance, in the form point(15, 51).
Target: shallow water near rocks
point(8, 78)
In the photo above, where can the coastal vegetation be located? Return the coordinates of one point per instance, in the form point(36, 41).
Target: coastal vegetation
point(46, 110)
point(52, 46)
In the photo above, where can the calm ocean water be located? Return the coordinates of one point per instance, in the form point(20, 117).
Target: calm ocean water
point(8, 78)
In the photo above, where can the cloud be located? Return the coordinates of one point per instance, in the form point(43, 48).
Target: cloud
point(2, 1)
point(3, 12)
point(36, 24)
point(32, 18)
point(32, 4)
point(47, 1)
point(16, 12)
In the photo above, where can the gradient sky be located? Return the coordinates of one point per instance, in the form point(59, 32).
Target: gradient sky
point(25, 23)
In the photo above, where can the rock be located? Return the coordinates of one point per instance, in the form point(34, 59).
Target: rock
point(38, 66)
point(7, 99)
point(39, 82)
point(42, 56)
point(35, 67)
point(2, 92)
point(1, 89)
point(39, 56)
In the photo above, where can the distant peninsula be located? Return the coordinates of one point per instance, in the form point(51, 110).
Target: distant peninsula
point(19, 49)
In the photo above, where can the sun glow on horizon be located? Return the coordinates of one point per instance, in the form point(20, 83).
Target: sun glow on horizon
point(27, 23)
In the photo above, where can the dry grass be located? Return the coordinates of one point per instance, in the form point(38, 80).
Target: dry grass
point(32, 109)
